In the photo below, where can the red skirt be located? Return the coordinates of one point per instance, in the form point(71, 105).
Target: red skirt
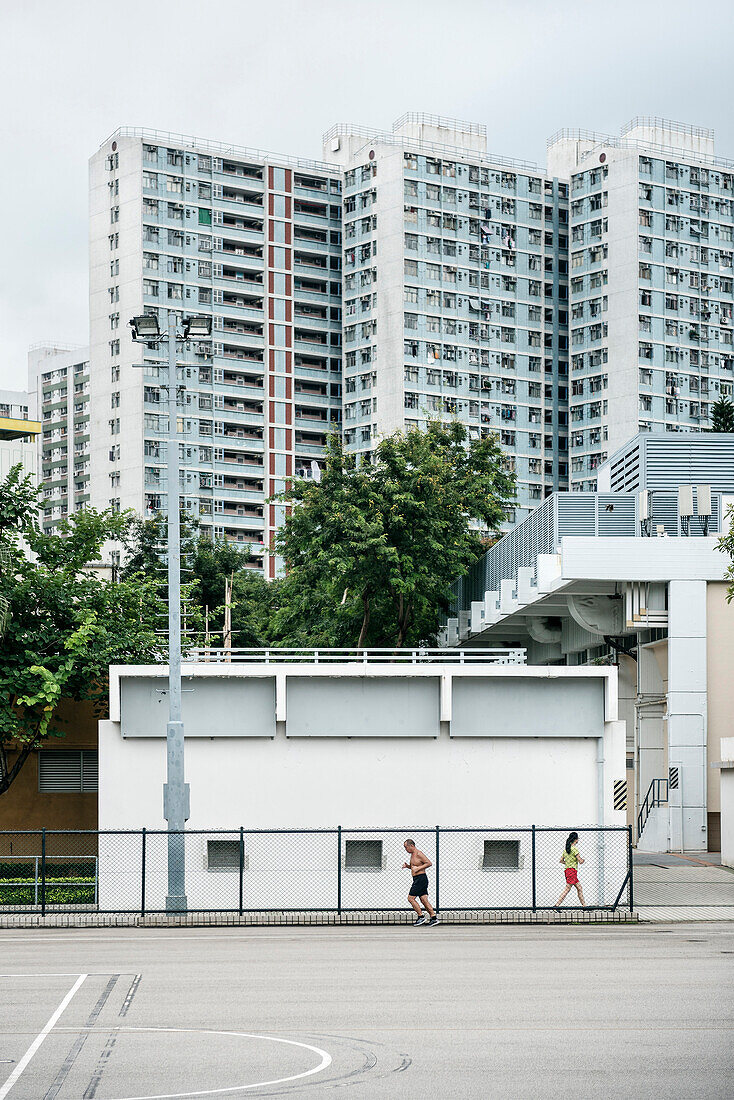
point(572, 876)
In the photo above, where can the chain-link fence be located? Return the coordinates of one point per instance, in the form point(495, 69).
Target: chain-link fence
point(337, 870)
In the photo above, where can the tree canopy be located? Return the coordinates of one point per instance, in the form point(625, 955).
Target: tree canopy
point(722, 415)
point(64, 624)
point(726, 545)
point(373, 548)
point(205, 567)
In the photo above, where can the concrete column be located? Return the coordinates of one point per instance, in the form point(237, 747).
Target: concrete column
point(687, 713)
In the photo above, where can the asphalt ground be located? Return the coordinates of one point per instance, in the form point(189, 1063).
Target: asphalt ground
point(447, 1012)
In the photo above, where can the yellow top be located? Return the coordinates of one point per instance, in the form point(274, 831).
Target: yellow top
point(571, 859)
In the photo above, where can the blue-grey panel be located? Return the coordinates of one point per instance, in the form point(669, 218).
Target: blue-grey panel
point(496, 707)
point(362, 706)
point(212, 707)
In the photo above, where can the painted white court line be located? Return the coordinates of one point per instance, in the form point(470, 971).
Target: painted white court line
point(7, 1086)
point(57, 974)
point(323, 1064)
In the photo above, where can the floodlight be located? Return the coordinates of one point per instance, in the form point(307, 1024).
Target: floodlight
point(197, 326)
point(145, 326)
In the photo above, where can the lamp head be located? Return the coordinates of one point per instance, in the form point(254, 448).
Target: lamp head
point(197, 325)
point(145, 326)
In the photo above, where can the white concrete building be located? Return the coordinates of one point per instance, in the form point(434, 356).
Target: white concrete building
point(348, 742)
point(580, 582)
point(19, 430)
point(253, 240)
point(455, 292)
point(58, 380)
point(306, 745)
point(651, 283)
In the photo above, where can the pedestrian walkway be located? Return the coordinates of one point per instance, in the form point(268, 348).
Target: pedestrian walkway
point(683, 887)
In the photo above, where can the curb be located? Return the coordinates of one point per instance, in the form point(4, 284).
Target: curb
point(304, 919)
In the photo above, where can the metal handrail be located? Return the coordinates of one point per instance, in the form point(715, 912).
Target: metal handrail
point(219, 148)
point(652, 798)
point(362, 656)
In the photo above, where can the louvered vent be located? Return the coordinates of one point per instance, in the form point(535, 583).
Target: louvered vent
point(67, 770)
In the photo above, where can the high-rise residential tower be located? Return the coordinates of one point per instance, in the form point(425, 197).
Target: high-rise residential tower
point(19, 430)
point(253, 240)
point(58, 382)
point(651, 296)
point(455, 292)
point(564, 309)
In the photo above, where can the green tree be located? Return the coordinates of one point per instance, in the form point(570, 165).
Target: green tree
point(65, 624)
point(376, 546)
point(722, 416)
point(205, 566)
point(726, 545)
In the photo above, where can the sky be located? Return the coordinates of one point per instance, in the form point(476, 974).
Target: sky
point(277, 73)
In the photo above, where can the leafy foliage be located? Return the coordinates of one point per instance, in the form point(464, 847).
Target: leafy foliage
point(205, 566)
point(726, 545)
point(65, 624)
point(722, 416)
point(376, 546)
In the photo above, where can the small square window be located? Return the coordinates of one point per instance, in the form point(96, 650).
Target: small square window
point(501, 855)
point(223, 855)
point(363, 855)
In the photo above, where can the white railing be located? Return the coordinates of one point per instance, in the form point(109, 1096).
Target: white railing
point(359, 656)
point(219, 148)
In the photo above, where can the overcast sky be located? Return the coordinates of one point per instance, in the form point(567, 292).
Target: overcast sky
point(275, 74)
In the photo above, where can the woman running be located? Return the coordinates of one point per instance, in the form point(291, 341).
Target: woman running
point(571, 860)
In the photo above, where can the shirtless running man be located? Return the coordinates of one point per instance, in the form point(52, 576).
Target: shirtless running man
point(419, 864)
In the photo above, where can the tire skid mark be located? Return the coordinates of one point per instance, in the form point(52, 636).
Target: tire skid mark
point(80, 1040)
point(130, 994)
point(372, 1067)
point(91, 1089)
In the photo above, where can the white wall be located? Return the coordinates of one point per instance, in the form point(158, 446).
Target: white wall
point(278, 783)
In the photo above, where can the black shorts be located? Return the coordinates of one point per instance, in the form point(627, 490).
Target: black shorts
point(419, 887)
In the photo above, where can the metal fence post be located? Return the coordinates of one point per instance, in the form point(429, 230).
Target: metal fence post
point(142, 876)
point(43, 872)
point(630, 866)
point(532, 869)
point(339, 871)
point(438, 865)
point(242, 866)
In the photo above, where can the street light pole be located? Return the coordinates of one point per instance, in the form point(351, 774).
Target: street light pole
point(145, 330)
point(176, 790)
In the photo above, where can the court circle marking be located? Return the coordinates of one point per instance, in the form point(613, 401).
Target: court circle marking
point(323, 1064)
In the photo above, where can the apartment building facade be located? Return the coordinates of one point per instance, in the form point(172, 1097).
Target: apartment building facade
point(18, 432)
point(58, 384)
point(455, 292)
point(252, 240)
point(651, 292)
point(565, 310)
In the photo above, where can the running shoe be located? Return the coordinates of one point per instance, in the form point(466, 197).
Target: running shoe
point(433, 920)
point(421, 920)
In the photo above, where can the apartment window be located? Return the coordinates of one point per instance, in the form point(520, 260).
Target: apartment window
point(67, 770)
point(363, 855)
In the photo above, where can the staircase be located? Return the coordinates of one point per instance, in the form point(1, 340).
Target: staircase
point(652, 815)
